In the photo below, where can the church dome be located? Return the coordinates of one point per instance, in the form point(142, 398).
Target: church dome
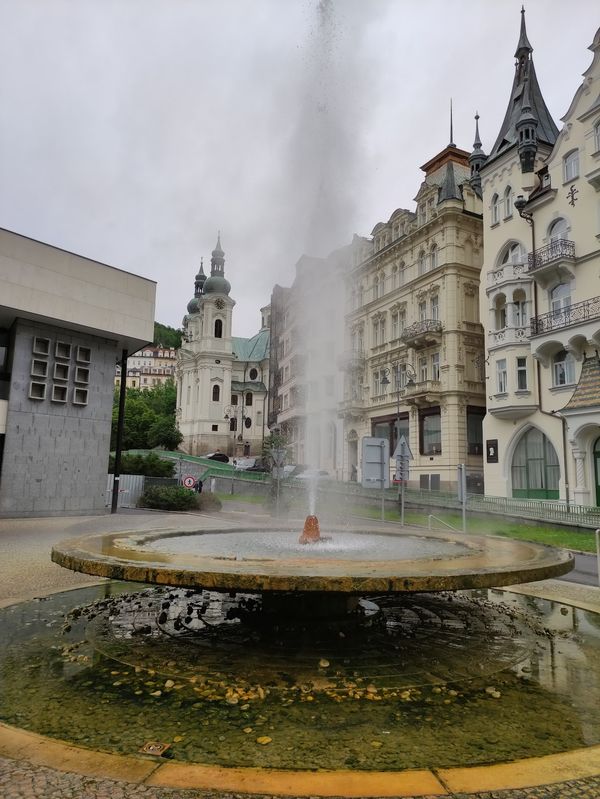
point(193, 305)
point(216, 284)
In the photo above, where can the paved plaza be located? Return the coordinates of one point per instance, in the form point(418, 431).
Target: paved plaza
point(28, 572)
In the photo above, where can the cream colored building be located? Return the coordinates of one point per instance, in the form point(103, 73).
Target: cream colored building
point(540, 298)
point(413, 320)
point(221, 379)
point(149, 367)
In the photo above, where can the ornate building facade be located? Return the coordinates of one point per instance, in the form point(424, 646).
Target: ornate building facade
point(539, 299)
point(414, 341)
point(149, 367)
point(221, 379)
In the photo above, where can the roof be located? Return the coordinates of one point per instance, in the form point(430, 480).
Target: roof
point(257, 386)
point(524, 75)
point(252, 349)
point(587, 392)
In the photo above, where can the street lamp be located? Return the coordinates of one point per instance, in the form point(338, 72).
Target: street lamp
point(410, 383)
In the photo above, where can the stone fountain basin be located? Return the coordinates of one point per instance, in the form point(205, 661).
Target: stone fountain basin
point(272, 560)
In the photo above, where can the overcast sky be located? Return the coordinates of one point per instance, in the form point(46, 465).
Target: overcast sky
point(131, 131)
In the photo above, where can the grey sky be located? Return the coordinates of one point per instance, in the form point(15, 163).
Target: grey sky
point(132, 130)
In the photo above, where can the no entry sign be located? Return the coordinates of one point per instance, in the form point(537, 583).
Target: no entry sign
point(189, 481)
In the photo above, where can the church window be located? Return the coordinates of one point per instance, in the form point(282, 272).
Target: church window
point(571, 166)
point(253, 374)
point(218, 328)
point(247, 422)
point(216, 393)
point(248, 399)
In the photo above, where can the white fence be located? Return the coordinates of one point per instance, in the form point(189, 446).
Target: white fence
point(131, 487)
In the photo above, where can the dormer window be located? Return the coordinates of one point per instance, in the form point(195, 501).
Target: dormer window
point(571, 166)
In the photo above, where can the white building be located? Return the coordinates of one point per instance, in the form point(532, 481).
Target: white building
point(221, 379)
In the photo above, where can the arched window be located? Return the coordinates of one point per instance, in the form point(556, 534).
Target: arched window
point(560, 298)
point(571, 166)
point(218, 328)
point(248, 399)
point(563, 369)
point(558, 230)
point(433, 257)
point(421, 263)
point(535, 469)
point(508, 206)
point(496, 202)
point(513, 254)
point(216, 393)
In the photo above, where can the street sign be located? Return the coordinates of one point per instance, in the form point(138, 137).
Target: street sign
point(403, 450)
point(189, 481)
point(375, 462)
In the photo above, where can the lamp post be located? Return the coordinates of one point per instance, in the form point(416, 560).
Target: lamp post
point(400, 465)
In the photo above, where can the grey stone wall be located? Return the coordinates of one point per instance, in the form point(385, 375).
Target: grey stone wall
point(56, 451)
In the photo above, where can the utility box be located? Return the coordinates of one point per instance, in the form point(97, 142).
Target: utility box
point(375, 462)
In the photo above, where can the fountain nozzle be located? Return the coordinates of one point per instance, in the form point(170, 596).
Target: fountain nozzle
point(311, 531)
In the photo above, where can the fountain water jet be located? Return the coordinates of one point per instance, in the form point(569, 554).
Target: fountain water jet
point(311, 531)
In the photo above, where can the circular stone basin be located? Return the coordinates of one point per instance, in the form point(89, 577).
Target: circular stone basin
point(365, 562)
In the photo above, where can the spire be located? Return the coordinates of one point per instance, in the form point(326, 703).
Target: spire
point(522, 96)
point(217, 262)
point(449, 190)
point(477, 158)
point(200, 280)
point(523, 47)
point(451, 144)
point(526, 127)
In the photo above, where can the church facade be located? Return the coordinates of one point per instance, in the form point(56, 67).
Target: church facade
point(221, 379)
point(539, 299)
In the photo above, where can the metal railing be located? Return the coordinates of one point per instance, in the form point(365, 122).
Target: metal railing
point(418, 328)
point(561, 248)
point(572, 315)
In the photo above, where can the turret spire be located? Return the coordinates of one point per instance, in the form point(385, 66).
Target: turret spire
point(523, 46)
point(217, 262)
point(451, 144)
point(477, 158)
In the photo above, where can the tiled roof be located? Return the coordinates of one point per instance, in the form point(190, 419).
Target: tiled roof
point(587, 393)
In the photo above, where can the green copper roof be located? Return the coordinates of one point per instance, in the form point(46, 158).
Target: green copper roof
point(252, 349)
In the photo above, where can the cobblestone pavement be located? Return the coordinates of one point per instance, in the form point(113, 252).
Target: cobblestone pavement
point(24, 553)
point(24, 781)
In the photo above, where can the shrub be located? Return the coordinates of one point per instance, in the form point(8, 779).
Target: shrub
point(169, 498)
point(150, 465)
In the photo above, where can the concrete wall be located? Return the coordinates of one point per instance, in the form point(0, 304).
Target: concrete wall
point(56, 453)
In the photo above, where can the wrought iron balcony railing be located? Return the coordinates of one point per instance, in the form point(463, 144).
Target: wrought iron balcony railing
point(555, 251)
point(566, 317)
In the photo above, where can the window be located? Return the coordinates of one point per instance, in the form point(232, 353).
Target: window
point(430, 431)
point(435, 366)
point(508, 207)
point(394, 277)
point(571, 166)
point(218, 328)
point(234, 399)
point(558, 230)
point(247, 422)
point(514, 254)
point(422, 369)
point(597, 137)
point(520, 308)
point(421, 214)
point(401, 321)
point(435, 308)
point(376, 287)
point(475, 429)
point(535, 470)
point(375, 333)
point(216, 393)
point(501, 381)
point(421, 263)
point(401, 273)
point(563, 368)
point(521, 374)
point(253, 374)
point(382, 330)
point(496, 202)
point(422, 311)
point(376, 383)
point(500, 312)
point(248, 399)
point(560, 301)
point(394, 325)
point(433, 257)
point(399, 376)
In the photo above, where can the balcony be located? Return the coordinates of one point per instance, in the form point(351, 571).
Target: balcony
point(352, 360)
point(507, 336)
point(506, 273)
point(425, 392)
point(352, 408)
point(422, 334)
point(578, 314)
point(556, 259)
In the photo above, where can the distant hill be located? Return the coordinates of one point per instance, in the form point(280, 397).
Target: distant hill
point(166, 336)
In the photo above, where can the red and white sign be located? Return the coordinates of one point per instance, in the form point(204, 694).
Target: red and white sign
point(189, 481)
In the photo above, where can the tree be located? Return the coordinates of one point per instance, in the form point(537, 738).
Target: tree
point(164, 433)
point(165, 336)
point(149, 418)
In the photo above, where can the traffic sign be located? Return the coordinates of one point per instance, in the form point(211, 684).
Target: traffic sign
point(403, 450)
point(189, 481)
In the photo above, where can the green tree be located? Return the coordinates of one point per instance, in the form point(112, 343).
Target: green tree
point(149, 418)
point(165, 336)
point(164, 433)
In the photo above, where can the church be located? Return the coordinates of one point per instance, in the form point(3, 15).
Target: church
point(221, 379)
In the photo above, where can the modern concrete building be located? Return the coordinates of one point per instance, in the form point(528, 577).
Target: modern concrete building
point(540, 297)
point(64, 322)
point(414, 339)
point(221, 379)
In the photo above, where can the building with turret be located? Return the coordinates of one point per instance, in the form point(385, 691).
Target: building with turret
point(414, 341)
point(221, 379)
point(539, 297)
